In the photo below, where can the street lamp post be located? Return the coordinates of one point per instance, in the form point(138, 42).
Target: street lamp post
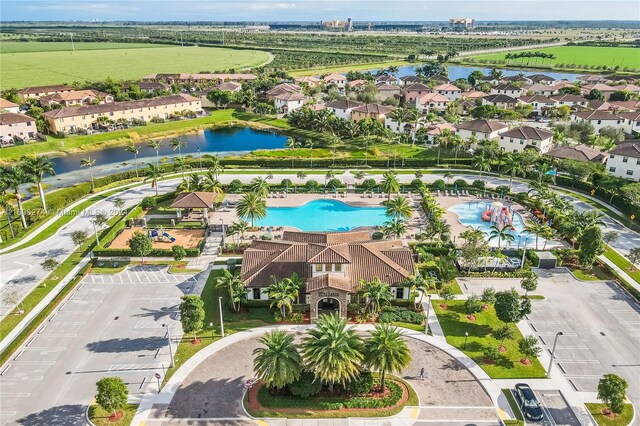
point(211, 326)
point(426, 330)
point(222, 222)
point(170, 347)
point(553, 353)
point(524, 252)
point(221, 319)
point(200, 159)
point(466, 334)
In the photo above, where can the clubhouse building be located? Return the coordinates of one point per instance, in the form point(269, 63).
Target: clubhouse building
point(331, 263)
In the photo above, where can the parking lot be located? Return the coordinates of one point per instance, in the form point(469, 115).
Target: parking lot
point(111, 325)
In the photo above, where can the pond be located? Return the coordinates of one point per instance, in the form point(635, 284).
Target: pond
point(220, 141)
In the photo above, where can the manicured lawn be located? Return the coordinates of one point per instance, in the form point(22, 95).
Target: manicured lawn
point(100, 417)
point(55, 46)
point(54, 67)
point(595, 274)
point(622, 419)
point(415, 327)
point(622, 263)
point(579, 56)
point(519, 419)
point(454, 323)
point(108, 267)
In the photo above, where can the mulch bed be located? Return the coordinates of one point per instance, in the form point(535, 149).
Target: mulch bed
point(525, 361)
point(471, 317)
point(254, 404)
point(116, 417)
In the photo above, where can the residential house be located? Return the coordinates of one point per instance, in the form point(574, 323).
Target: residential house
point(148, 86)
point(202, 78)
point(627, 88)
point(538, 102)
point(540, 89)
point(526, 137)
point(570, 100)
point(516, 79)
point(342, 108)
point(579, 152)
point(373, 111)
point(357, 85)
point(310, 81)
point(433, 131)
point(480, 129)
point(472, 95)
point(16, 127)
point(625, 105)
point(7, 106)
point(75, 98)
point(500, 101)
point(604, 88)
point(541, 79)
point(37, 92)
point(592, 78)
point(562, 84)
point(448, 90)
point(386, 79)
point(598, 119)
point(229, 86)
point(386, 91)
point(332, 264)
point(408, 80)
point(282, 89)
point(631, 122)
point(506, 89)
point(79, 118)
point(414, 91)
point(431, 102)
point(338, 79)
point(287, 102)
point(624, 161)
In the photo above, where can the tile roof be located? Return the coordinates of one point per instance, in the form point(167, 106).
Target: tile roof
point(290, 97)
point(416, 87)
point(432, 97)
point(447, 87)
point(410, 78)
point(536, 98)
point(499, 98)
point(229, 86)
point(343, 104)
point(14, 118)
point(506, 86)
point(598, 86)
point(373, 109)
point(568, 98)
point(577, 152)
point(7, 104)
point(388, 88)
point(194, 200)
point(334, 77)
point(330, 281)
point(528, 132)
point(537, 87)
point(75, 111)
point(484, 126)
point(536, 78)
point(473, 94)
point(284, 88)
point(633, 116)
point(75, 95)
point(628, 149)
point(596, 115)
point(41, 89)
point(388, 78)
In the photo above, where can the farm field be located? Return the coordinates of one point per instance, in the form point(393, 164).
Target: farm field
point(55, 46)
point(574, 56)
point(54, 67)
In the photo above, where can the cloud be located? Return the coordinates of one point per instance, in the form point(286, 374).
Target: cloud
point(270, 6)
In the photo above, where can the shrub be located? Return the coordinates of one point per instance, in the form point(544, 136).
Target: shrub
point(489, 295)
point(491, 353)
point(369, 184)
point(333, 184)
point(473, 305)
point(148, 203)
point(286, 183)
point(377, 235)
point(296, 318)
point(360, 385)
point(397, 313)
point(311, 185)
point(178, 252)
point(439, 184)
point(479, 184)
point(417, 184)
point(460, 183)
point(330, 405)
point(502, 189)
point(307, 385)
point(235, 186)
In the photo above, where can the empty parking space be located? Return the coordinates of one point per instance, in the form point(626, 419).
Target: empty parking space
point(556, 408)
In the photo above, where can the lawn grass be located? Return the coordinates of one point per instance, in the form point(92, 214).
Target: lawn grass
point(415, 327)
point(577, 56)
point(57, 46)
point(108, 267)
point(54, 67)
point(622, 263)
point(519, 418)
point(622, 419)
point(100, 417)
point(594, 274)
point(454, 323)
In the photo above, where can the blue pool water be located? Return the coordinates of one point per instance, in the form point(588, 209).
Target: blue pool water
point(324, 215)
point(470, 214)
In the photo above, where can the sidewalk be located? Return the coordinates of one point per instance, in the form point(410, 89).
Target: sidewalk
point(620, 272)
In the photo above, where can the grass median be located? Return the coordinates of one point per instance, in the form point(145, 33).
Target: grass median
point(622, 419)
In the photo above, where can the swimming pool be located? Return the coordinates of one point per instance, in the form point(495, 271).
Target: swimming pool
point(324, 215)
point(470, 214)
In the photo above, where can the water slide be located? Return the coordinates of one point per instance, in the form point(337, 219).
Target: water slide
point(507, 214)
point(486, 215)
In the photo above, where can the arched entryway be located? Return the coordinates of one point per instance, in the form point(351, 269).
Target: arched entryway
point(328, 305)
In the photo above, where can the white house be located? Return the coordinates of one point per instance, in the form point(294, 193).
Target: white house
point(481, 129)
point(500, 101)
point(624, 161)
point(520, 138)
point(538, 102)
point(7, 106)
point(598, 119)
point(287, 102)
point(568, 99)
point(540, 89)
point(408, 80)
point(448, 90)
point(631, 122)
point(342, 108)
point(506, 89)
point(338, 79)
point(15, 127)
point(431, 101)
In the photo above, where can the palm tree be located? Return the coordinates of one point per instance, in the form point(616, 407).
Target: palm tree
point(153, 174)
point(260, 186)
point(180, 165)
point(482, 163)
point(329, 175)
point(190, 184)
point(88, 162)
point(283, 293)
point(35, 168)
point(332, 351)
point(211, 184)
point(386, 351)
point(301, 175)
point(448, 176)
point(178, 144)
point(4, 202)
point(232, 283)
point(418, 283)
point(12, 178)
point(536, 229)
point(502, 234)
point(293, 144)
point(513, 166)
point(252, 206)
point(389, 183)
point(278, 363)
point(398, 208)
point(395, 229)
point(156, 144)
point(376, 293)
point(133, 148)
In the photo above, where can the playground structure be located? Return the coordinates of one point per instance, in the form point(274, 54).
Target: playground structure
point(161, 238)
point(160, 235)
point(497, 214)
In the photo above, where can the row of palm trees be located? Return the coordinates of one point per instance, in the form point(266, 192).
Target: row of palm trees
point(332, 352)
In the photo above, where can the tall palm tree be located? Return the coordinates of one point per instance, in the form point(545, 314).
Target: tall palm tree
point(329, 175)
point(482, 163)
point(252, 206)
point(88, 162)
point(180, 165)
point(376, 293)
point(211, 184)
point(301, 175)
point(4, 202)
point(234, 286)
point(278, 363)
point(260, 186)
point(395, 228)
point(389, 183)
point(178, 144)
point(13, 177)
point(418, 283)
point(35, 168)
point(216, 167)
point(332, 351)
point(153, 174)
point(386, 351)
point(502, 234)
point(156, 144)
point(512, 166)
point(536, 229)
point(283, 293)
point(293, 144)
point(135, 150)
point(398, 208)
point(190, 184)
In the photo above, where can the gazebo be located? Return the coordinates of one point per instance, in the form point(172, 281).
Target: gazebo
point(194, 201)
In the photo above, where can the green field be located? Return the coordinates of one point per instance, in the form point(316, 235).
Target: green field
point(52, 67)
point(54, 46)
point(575, 56)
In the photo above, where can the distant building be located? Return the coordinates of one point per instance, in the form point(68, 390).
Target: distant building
point(148, 86)
point(76, 97)
point(8, 106)
point(16, 127)
point(459, 24)
point(199, 78)
point(39, 91)
point(480, 129)
point(372, 111)
point(338, 25)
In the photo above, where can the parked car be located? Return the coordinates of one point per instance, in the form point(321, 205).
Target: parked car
point(528, 402)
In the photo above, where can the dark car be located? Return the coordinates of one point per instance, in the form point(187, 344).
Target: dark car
point(528, 402)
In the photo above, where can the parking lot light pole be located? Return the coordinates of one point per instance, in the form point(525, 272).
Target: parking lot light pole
point(553, 353)
point(426, 329)
point(221, 319)
point(211, 325)
point(170, 347)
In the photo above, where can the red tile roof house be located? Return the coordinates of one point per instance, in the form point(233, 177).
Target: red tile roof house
point(342, 108)
point(408, 80)
point(538, 102)
point(372, 111)
point(539, 89)
point(75, 98)
point(431, 101)
point(481, 129)
point(579, 152)
point(500, 101)
point(310, 81)
point(39, 91)
point(437, 129)
point(506, 89)
point(338, 79)
point(229, 86)
point(7, 106)
point(332, 265)
point(526, 137)
point(631, 122)
point(386, 91)
point(148, 86)
point(598, 119)
point(571, 100)
point(287, 102)
point(604, 88)
point(448, 90)
point(281, 89)
point(16, 127)
point(386, 79)
point(414, 91)
point(473, 95)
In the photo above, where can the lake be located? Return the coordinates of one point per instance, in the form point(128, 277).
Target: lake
point(457, 71)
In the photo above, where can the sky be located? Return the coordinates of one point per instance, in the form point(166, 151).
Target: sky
point(316, 10)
